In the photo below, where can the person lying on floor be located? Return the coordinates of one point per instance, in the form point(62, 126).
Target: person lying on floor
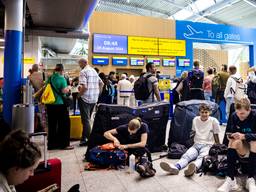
point(242, 143)
point(133, 137)
point(206, 132)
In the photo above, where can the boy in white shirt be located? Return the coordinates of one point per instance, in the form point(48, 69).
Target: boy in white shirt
point(206, 133)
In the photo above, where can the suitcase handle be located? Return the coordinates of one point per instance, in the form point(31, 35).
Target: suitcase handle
point(39, 134)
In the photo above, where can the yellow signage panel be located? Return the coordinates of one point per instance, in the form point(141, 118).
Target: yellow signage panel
point(26, 60)
point(170, 47)
point(29, 60)
point(142, 45)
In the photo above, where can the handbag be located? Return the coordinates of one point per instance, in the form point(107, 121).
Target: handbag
point(67, 101)
point(48, 95)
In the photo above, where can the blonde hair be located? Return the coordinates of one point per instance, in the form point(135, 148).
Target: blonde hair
point(243, 103)
point(134, 124)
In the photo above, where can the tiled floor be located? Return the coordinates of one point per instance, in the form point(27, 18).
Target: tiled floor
point(122, 181)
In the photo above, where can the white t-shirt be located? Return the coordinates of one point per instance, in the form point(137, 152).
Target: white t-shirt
point(124, 88)
point(204, 130)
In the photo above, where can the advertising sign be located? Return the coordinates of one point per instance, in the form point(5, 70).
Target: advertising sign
point(142, 45)
point(106, 43)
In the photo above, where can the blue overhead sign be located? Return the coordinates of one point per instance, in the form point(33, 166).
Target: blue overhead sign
point(100, 60)
point(120, 61)
point(105, 43)
point(194, 32)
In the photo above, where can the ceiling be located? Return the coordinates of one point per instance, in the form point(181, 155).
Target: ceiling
point(66, 18)
point(234, 12)
point(56, 18)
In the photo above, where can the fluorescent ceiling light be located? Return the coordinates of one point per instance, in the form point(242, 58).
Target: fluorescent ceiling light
point(1, 40)
point(1, 47)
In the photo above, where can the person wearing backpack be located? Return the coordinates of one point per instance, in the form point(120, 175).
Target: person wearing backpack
point(146, 87)
point(206, 134)
point(232, 86)
point(107, 90)
point(241, 144)
point(195, 82)
point(251, 85)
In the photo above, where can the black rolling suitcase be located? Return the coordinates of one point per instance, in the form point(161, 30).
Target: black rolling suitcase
point(181, 124)
point(107, 117)
point(156, 115)
point(111, 116)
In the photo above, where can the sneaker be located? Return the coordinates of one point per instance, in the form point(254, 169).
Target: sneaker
point(250, 184)
point(190, 170)
point(170, 168)
point(140, 168)
point(228, 185)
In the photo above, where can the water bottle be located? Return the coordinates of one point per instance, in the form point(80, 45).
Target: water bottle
point(131, 163)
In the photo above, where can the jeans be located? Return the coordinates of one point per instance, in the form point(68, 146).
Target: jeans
point(196, 152)
point(85, 111)
point(229, 101)
point(208, 96)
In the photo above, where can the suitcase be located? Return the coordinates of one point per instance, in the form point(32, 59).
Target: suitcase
point(47, 173)
point(111, 116)
point(181, 124)
point(76, 127)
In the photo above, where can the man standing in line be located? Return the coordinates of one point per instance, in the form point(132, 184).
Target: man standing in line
point(124, 88)
point(152, 83)
point(90, 86)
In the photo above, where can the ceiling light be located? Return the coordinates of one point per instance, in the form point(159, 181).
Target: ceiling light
point(1, 40)
point(1, 47)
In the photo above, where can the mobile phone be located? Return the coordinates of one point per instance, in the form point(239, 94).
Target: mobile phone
point(229, 135)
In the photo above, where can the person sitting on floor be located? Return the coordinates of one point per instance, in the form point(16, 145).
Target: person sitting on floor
point(133, 137)
point(206, 132)
point(18, 159)
point(241, 143)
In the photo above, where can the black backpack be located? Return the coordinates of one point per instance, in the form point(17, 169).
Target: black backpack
point(251, 92)
point(176, 150)
point(141, 90)
point(196, 79)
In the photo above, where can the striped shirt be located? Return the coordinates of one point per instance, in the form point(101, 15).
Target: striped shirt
point(89, 77)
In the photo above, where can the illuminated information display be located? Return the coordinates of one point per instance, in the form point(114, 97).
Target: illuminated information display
point(169, 62)
point(170, 47)
point(100, 60)
point(156, 61)
point(136, 61)
point(184, 62)
point(142, 45)
point(120, 61)
point(105, 43)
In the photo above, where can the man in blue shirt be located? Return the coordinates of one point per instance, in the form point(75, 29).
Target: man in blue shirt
point(241, 143)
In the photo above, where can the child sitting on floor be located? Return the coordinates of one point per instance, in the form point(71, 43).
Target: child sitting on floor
point(206, 132)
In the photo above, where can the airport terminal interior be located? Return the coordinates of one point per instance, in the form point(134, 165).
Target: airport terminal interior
point(127, 95)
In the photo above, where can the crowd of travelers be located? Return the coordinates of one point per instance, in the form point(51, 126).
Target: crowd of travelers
point(93, 87)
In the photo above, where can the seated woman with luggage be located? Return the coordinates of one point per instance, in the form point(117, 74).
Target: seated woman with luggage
point(241, 143)
point(18, 159)
point(206, 133)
